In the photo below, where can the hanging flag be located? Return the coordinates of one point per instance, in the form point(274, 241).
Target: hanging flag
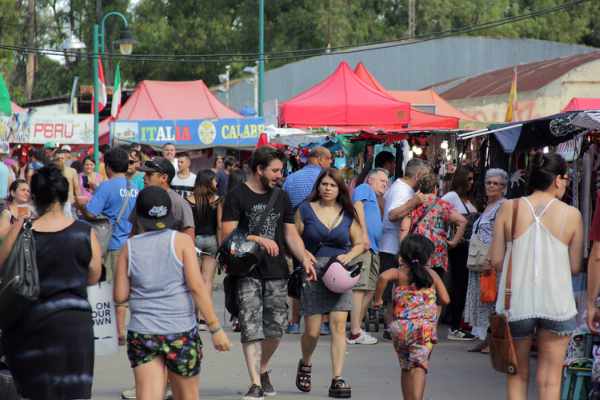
point(5, 104)
point(102, 98)
point(512, 98)
point(116, 97)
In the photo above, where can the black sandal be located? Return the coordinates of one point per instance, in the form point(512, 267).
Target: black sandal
point(339, 389)
point(303, 377)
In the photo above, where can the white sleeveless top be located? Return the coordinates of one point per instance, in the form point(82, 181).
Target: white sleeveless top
point(541, 275)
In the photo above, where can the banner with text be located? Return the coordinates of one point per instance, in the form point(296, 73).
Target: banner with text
point(191, 133)
point(60, 129)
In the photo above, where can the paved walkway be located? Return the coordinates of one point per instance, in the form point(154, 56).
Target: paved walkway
point(373, 372)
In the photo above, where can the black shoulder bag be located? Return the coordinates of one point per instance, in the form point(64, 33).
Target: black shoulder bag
point(19, 280)
point(231, 279)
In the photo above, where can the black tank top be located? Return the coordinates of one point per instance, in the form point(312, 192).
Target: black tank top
point(205, 225)
point(63, 260)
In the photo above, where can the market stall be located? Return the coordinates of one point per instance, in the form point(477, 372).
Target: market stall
point(184, 113)
point(344, 101)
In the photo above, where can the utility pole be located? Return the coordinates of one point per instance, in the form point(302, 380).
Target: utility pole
point(30, 67)
point(412, 18)
point(261, 56)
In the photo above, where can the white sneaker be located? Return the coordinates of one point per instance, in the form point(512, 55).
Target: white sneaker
point(460, 335)
point(363, 338)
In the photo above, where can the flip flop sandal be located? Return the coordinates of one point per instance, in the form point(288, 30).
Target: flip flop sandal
point(339, 389)
point(303, 377)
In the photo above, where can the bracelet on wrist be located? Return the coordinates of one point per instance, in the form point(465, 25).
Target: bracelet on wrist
point(215, 330)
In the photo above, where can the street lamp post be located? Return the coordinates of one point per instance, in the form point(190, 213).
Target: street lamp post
point(125, 47)
point(261, 56)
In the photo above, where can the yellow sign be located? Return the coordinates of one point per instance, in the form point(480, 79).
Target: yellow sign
point(207, 132)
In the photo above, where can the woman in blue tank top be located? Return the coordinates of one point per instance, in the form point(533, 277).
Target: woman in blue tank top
point(158, 274)
point(328, 224)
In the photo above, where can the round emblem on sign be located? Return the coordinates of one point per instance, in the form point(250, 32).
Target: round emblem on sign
point(207, 132)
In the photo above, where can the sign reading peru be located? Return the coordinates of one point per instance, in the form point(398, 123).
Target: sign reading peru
point(197, 133)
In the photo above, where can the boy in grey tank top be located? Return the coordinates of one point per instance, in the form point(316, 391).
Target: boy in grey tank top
point(158, 274)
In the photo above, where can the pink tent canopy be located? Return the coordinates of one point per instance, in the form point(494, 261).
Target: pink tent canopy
point(582, 104)
point(344, 100)
point(363, 73)
point(418, 119)
point(174, 100)
point(16, 108)
point(154, 100)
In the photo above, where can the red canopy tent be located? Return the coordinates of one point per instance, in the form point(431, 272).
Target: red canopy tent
point(582, 104)
point(155, 100)
point(343, 100)
point(174, 100)
point(418, 119)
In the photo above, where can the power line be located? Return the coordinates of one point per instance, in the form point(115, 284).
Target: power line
point(302, 53)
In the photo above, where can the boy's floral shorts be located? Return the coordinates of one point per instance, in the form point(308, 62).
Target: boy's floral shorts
point(181, 352)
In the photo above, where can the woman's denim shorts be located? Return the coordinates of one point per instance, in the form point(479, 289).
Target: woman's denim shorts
point(526, 327)
point(207, 244)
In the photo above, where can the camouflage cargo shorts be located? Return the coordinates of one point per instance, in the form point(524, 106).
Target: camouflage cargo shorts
point(263, 308)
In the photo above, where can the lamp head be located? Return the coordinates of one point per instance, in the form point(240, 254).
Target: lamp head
point(125, 42)
point(72, 46)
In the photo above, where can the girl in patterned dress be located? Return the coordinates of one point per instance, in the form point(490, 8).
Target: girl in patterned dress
point(415, 311)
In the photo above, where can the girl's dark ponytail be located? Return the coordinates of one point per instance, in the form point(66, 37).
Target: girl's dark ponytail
point(415, 252)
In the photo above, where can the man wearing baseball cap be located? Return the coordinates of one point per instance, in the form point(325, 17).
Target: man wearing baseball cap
point(159, 275)
point(160, 172)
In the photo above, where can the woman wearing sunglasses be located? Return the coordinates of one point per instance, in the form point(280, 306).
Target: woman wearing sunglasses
point(546, 250)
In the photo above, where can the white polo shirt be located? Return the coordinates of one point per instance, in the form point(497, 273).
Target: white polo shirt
point(397, 195)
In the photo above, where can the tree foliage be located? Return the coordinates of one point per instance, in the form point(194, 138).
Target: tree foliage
point(231, 26)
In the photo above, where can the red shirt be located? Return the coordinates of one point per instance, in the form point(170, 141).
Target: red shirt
point(595, 229)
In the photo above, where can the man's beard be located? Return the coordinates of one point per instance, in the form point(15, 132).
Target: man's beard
point(265, 182)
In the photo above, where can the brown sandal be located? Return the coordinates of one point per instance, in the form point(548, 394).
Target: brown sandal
point(303, 377)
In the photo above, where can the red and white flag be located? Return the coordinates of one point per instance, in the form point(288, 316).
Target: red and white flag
point(102, 97)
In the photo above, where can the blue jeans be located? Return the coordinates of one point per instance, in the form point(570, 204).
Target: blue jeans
point(526, 327)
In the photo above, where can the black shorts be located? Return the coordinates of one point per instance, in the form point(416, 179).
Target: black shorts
point(387, 261)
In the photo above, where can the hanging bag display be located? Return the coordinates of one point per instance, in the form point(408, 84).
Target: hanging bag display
point(19, 280)
point(502, 347)
point(100, 297)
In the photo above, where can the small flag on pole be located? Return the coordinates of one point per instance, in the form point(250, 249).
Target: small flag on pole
point(102, 98)
point(116, 97)
point(5, 104)
point(512, 99)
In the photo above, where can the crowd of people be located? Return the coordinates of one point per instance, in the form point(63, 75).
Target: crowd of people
point(423, 256)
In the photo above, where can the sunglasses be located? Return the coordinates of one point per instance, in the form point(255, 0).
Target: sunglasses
point(131, 162)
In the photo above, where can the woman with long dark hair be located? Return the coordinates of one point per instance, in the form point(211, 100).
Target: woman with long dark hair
point(546, 250)
point(460, 197)
point(207, 207)
point(329, 226)
point(56, 333)
point(18, 204)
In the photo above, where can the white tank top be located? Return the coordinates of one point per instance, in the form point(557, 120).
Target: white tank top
point(541, 275)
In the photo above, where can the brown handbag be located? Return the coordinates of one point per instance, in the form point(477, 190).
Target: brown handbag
point(502, 348)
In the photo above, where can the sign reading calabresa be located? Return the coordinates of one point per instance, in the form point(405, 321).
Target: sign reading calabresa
point(60, 129)
point(196, 133)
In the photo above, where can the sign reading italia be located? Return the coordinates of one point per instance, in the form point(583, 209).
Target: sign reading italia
point(197, 133)
point(59, 129)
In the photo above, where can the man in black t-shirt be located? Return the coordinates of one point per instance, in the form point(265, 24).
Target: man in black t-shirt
point(262, 294)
